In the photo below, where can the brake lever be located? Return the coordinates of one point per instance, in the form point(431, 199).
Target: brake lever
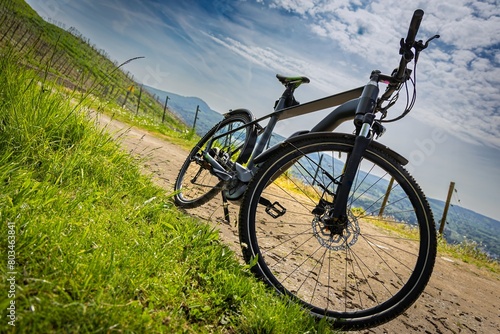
point(430, 39)
point(420, 45)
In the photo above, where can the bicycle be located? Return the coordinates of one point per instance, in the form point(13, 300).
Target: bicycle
point(332, 220)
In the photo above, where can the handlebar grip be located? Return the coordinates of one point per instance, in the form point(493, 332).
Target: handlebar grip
point(414, 25)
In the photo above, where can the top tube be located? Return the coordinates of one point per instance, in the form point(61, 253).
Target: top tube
point(320, 104)
point(305, 108)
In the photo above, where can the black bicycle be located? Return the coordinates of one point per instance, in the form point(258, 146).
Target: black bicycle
point(332, 220)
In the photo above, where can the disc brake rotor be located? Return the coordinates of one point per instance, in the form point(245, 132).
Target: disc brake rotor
point(336, 242)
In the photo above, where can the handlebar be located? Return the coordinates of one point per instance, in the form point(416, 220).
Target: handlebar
point(414, 25)
point(400, 75)
point(407, 44)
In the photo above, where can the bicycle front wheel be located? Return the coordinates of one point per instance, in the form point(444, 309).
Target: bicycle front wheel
point(196, 184)
point(365, 274)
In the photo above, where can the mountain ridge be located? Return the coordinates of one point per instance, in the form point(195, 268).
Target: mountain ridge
point(185, 107)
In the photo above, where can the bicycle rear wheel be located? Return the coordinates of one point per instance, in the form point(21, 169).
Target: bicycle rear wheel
point(196, 184)
point(362, 276)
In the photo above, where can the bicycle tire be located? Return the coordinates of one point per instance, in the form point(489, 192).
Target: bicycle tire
point(195, 184)
point(364, 276)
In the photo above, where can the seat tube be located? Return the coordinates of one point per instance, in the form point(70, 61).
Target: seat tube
point(264, 138)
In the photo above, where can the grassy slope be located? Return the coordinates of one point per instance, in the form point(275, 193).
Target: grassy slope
point(72, 59)
point(98, 246)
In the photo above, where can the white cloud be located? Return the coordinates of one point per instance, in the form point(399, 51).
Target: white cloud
point(190, 49)
point(458, 75)
point(295, 6)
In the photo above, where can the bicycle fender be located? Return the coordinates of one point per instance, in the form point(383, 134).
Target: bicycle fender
point(239, 111)
point(328, 135)
point(247, 150)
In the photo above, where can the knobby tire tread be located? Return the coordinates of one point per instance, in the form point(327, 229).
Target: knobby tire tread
point(425, 266)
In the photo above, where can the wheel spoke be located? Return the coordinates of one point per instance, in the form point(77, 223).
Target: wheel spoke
point(354, 273)
point(196, 184)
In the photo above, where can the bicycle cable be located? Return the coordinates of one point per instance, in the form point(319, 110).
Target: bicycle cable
point(419, 47)
point(409, 102)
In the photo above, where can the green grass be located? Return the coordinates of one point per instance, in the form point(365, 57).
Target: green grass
point(467, 251)
point(71, 58)
point(174, 132)
point(98, 247)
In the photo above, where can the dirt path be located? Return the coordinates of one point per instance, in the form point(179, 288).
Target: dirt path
point(460, 298)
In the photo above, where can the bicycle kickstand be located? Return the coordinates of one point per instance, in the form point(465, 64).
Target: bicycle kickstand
point(225, 205)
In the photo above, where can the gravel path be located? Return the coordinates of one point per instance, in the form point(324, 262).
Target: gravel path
point(460, 297)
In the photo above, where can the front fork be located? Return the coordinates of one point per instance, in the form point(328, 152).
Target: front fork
point(365, 115)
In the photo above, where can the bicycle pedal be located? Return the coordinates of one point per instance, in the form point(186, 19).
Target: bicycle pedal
point(275, 210)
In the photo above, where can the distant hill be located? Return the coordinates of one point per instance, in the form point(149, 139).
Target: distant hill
point(461, 223)
point(185, 108)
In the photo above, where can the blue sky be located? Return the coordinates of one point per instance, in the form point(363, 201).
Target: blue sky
point(227, 53)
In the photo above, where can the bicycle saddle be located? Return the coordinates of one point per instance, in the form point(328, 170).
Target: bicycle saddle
point(294, 80)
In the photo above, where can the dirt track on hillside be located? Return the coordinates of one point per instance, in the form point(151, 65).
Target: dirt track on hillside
point(460, 298)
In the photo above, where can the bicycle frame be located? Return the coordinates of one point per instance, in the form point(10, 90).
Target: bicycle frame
point(350, 104)
point(347, 103)
point(335, 194)
point(359, 104)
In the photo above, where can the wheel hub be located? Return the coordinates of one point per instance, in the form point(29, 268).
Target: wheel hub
point(336, 238)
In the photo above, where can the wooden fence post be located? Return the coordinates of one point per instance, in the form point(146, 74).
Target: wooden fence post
point(386, 197)
point(196, 117)
point(164, 109)
point(139, 100)
point(130, 89)
point(446, 206)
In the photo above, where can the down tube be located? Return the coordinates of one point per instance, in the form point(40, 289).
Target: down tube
point(338, 116)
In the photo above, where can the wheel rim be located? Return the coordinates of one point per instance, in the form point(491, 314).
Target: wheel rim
point(366, 270)
point(196, 181)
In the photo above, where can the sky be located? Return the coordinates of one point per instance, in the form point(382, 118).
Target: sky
point(227, 52)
